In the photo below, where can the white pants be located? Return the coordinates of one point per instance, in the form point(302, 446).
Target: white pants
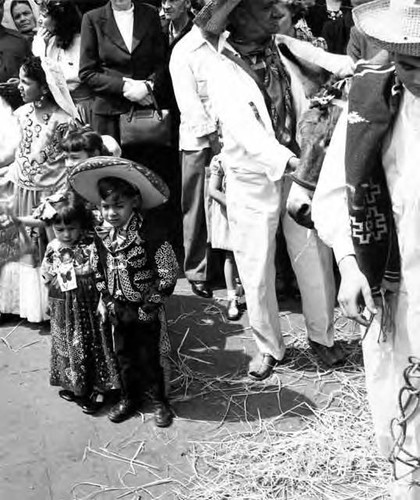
point(385, 361)
point(254, 206)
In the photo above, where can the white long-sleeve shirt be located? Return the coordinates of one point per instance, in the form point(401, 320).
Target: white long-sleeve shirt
point(190, 65)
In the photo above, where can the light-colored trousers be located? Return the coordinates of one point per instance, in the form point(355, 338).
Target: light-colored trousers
point(254, 206)
point(385, 358)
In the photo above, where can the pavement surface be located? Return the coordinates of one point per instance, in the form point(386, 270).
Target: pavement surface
point(50, 450)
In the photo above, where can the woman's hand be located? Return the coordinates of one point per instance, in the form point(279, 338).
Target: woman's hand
point(136, 91)
point(44, 34)
point(355, 293)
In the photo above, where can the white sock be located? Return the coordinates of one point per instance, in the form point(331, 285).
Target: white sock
point(231, 294)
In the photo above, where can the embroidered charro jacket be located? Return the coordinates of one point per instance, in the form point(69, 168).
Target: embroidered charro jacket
point(135, 265)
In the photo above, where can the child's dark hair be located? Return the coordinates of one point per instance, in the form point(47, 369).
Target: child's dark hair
point(72, 208)
point(117, 188)
point(83, 138)
point(32, 68)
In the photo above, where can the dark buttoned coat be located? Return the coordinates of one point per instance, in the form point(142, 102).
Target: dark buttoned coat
point(105, 60)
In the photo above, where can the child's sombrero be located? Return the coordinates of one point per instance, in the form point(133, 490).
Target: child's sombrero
point(84, 179)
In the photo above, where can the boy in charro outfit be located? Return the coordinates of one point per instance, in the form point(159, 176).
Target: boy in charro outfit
point(136, 270)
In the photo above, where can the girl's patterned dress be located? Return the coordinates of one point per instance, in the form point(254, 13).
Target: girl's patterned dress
point(37, 171)
point(82, 357)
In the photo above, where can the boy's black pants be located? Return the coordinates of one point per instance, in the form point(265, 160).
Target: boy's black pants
point(137, 350)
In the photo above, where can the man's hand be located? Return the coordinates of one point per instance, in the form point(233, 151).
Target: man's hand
point(354, 294)
point(292, 165)
point(136, 91)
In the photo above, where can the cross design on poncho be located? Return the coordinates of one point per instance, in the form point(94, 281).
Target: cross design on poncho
point(374, 227)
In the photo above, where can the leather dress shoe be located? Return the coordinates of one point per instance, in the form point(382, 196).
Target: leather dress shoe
point(91, 405)
point(123, 410)
point(67, 395)
point(201, 289)
point(330, 356)
point(163, 414)
point(266, 368)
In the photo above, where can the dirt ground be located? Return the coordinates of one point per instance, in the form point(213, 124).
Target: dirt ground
point(50, 450)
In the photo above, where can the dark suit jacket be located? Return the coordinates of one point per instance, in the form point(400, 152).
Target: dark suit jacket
point(105, 60)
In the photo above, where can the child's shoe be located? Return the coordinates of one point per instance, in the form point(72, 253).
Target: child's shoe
point(163, 414)
point(233, 310)
point(92, 404)
point(67, 395)
point(123, 410)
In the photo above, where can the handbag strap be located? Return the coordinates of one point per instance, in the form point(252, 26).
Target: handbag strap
point(154, 101)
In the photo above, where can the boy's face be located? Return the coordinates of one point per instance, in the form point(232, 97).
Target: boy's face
point(408, 71)
point(118, 210)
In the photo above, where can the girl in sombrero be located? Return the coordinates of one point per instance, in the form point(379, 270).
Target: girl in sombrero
point(136, 271)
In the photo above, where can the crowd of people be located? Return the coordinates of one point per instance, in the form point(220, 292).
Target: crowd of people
point(137, 138)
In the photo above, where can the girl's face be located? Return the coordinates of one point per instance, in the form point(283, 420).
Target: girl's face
point(75, 157)
point(29, 89)
point(24, 18)
point(46, 21)
point(67, 234)
point(117, 211)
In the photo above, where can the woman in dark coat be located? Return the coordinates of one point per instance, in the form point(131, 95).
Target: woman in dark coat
point(115, 72)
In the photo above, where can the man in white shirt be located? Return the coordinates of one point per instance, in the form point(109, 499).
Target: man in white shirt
point(259, 144)
point(367, 208)
point(190, 65)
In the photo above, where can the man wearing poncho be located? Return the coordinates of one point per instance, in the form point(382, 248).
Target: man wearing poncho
point(367, 207)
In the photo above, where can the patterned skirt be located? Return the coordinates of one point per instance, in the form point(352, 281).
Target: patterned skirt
point(82, 354)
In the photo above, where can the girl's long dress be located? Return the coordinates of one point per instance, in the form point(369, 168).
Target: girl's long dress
point(37, 171)
point(82, 357)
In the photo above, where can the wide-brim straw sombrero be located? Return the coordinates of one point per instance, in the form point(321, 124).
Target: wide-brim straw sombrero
point(213, 17)
point(85, 176)
point(393, 24)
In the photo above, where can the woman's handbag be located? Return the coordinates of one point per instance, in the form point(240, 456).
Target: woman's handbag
point(146, 125)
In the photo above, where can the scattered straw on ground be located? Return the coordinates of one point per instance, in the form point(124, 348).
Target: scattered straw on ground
point(329, 455)
point(332, 456)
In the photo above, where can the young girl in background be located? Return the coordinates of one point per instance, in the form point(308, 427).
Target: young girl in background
point(219, 234)
point(82, 358)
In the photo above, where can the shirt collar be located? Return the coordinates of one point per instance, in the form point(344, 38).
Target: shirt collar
point(197, 39)
point(127, 12)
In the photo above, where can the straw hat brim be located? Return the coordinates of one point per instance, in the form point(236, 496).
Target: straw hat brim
point(85, 176)
point(213, 17)
point(396, 31)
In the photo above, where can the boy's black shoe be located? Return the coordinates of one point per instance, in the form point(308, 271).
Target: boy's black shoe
point(123, 410)
point(163, 414)
point(92, 404)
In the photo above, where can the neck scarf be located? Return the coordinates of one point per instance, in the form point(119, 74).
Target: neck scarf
point(268, 66)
